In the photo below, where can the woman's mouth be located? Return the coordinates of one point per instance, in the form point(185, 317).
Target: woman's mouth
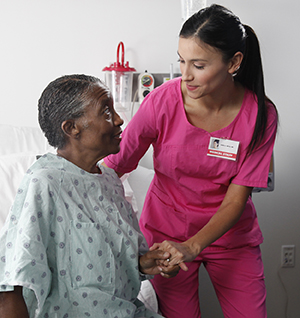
point(118, 135)
point(190, 87)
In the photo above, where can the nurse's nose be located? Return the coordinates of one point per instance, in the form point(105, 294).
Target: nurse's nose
point(186, 73)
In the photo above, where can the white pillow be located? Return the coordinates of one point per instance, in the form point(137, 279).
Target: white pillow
point(148, 296)
point(12, 169)
point(139, 181)
point(129, 195)
point(23, 140)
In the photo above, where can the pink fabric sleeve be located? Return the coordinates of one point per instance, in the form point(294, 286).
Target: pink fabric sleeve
point(136, 139)
point(255, 168)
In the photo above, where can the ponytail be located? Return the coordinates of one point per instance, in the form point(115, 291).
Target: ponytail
point(250, 75)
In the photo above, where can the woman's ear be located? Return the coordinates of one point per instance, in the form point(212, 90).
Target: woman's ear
point(235, 63)
point(70, 128)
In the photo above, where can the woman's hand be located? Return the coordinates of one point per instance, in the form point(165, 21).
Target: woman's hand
point(180, 253)
point(153, 262)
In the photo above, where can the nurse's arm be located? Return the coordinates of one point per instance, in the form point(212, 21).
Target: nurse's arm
point(12, 304)
point(223, 220)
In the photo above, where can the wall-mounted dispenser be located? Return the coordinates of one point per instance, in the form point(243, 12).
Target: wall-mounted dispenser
point(145, 85)
point(118, 77)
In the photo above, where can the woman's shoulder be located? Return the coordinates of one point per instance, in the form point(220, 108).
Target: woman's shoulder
point(250, 100)
point(163, 100)
point(167, 89)
point(272, 110)
point(48, 170)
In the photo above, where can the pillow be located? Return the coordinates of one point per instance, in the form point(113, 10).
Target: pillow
point(23, 140)
point(147, 160)
point(129, 195)
point(139, 181)
point(12, 170)
point(147, 296)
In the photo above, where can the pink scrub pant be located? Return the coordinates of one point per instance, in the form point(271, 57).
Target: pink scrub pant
point(237, 276)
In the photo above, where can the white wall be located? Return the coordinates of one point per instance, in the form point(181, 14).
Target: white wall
point(43, 39)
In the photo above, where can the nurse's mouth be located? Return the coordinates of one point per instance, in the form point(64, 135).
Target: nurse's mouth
point(190, 87)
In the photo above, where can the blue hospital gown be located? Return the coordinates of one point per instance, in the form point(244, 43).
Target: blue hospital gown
point(72, 241)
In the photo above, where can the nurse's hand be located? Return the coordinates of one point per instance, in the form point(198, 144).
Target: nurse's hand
point(180, 253)
point(152, 263)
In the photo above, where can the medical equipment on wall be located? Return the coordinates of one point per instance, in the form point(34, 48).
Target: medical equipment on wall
point(118, 77)
point(271, 179)
point(145, 85)
point(189, 7)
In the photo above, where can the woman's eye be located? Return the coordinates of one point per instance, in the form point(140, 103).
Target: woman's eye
point(199, 67)
point(180, 61)
point(107, 111)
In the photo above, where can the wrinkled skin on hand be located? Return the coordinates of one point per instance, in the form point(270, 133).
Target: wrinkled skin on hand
point(180, 253)
point(155, 262)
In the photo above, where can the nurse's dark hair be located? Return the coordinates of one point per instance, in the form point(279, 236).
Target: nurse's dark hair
point(220, 28)
point(64, 98)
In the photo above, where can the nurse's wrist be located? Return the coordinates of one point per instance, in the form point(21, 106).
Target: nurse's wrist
point(194, 246)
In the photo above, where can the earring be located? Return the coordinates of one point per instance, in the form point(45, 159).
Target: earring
point(236, 71)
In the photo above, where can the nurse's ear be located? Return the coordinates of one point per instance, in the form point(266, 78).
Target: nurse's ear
point(235, 63)
point(70, 129)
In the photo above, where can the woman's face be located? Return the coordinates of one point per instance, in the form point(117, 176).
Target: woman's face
point(100, 126)
point(203, 70)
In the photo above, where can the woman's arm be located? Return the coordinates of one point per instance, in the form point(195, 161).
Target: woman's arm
point(225, 218)
point(12, 304)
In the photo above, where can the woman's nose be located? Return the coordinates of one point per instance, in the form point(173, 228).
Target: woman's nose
point(118, 121)
point(186, 73)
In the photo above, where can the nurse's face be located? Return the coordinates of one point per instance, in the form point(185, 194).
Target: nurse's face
point(203, 70)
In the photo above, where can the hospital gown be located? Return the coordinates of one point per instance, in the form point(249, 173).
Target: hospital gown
point(72, 241)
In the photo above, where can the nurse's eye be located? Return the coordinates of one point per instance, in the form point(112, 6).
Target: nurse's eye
point(199, 67)
point(180, 61)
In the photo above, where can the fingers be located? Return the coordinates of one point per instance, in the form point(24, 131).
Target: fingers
point(170, 271)
point(183, 266)
point(159, 255)
point(169, 263)
point(176, 256)
point(155, 246)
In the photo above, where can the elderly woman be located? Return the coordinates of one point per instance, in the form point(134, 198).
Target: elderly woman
point(71, 246)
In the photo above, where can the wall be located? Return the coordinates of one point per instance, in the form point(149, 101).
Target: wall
point(43, 39)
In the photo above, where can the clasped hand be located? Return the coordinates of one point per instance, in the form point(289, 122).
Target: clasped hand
point(155, 262)
point(179, 253)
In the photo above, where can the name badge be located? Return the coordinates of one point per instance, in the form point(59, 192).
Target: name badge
point(223, 148)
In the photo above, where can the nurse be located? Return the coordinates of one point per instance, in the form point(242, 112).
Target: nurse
point(198, 206)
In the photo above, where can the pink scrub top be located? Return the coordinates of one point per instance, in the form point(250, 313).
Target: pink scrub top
point(189, 186)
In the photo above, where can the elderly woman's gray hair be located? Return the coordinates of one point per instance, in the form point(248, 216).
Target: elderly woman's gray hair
point(65, 98)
